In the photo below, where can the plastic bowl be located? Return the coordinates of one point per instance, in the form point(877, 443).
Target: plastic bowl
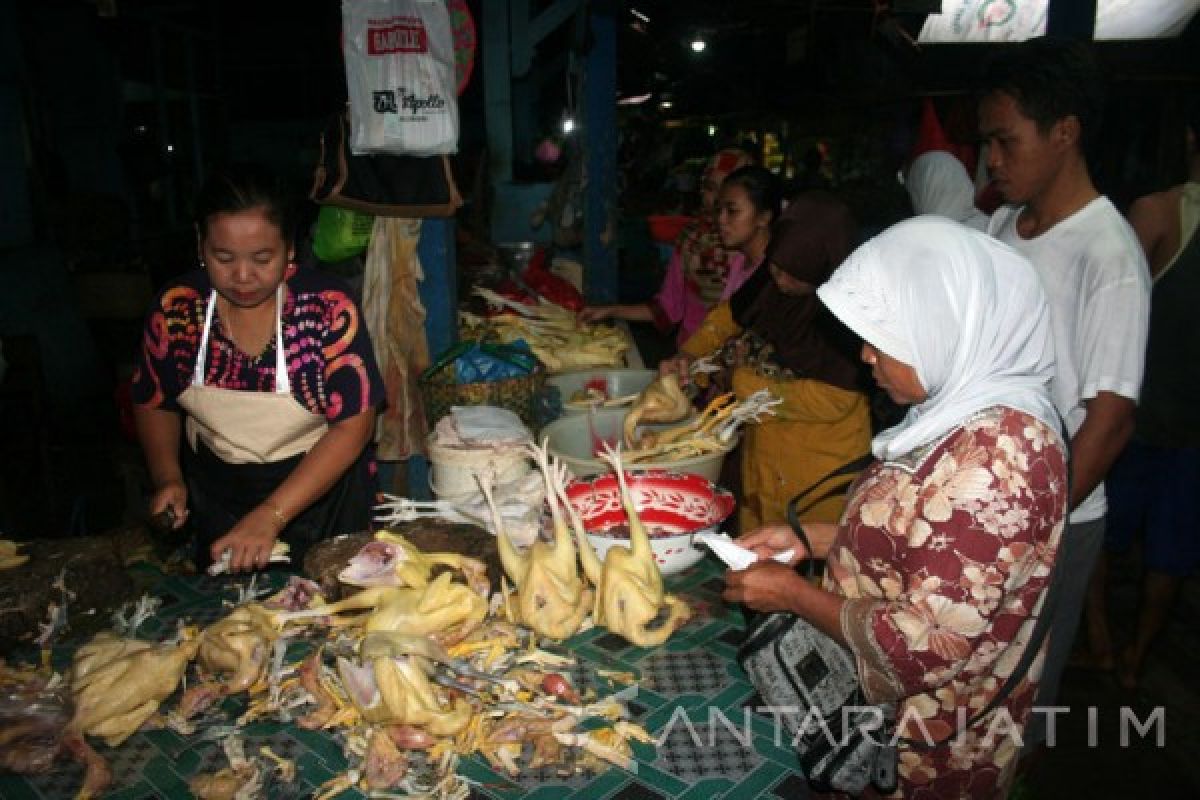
point(673, 507)
point(615, 382)
point(576, 437)
point(666, 228)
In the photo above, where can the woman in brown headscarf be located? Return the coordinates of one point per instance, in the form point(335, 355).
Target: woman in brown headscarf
point(774, 334)
point(700, 273)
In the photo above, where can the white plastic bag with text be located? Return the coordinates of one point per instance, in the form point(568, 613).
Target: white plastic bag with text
point(400, 77)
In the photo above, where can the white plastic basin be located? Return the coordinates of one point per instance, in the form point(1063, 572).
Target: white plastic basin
point(617, 383)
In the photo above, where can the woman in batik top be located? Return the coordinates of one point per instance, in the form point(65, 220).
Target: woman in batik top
point(256, 388)
point(941, 561)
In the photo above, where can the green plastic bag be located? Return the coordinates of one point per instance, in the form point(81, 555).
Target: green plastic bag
point(341, 233)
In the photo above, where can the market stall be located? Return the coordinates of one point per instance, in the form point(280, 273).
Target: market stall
point(688, 694)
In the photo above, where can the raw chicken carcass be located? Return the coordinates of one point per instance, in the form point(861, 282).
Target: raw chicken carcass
point(662, 401)
point(391, 560)
point(551, 596)
point(629, 594)
point(443, 608)
point(10, 556)
point(238, 645)
point(114, 696)
point(397, 690)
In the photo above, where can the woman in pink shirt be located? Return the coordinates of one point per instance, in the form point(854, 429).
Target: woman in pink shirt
point(701, 271)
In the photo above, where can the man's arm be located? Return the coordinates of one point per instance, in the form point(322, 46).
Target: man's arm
point(1155, 220)
point(1105, 431)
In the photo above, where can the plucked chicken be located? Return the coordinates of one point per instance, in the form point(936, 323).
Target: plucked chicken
point(630, 600)
point(391, 560)
point(552, 599)
point(662, 401)
point(397, 690)
point(238, 646)
point(442, 608)
point(10, 555)
point(714, 429)
point(119, 684)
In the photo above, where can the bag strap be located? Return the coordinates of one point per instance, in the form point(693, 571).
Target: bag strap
point(798, 505)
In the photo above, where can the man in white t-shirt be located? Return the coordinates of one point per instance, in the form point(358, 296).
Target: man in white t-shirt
point(1039, 109)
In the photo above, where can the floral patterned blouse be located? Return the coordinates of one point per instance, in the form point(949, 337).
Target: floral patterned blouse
point(945, 556)
point(699, 274)
point(330, 359)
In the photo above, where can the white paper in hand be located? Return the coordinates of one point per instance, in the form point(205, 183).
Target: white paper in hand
point(733, 554)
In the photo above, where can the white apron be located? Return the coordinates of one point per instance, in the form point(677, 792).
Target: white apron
point(249, 427)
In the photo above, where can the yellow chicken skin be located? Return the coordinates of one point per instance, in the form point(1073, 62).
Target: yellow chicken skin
point(662, 401)
point(239, 646)
point(629, 594)
point(391, 560)
point(443, 608)
point(396, 690)
point(552, 599)
point(113, 698)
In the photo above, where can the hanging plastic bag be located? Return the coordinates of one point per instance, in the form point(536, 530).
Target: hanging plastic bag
point(341, 233)
point(400, 77)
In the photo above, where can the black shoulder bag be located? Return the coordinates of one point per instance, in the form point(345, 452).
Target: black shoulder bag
point(381, 184)
point(843, 742)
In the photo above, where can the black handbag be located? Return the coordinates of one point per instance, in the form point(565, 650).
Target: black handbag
point(843, 743)
point(383, 185)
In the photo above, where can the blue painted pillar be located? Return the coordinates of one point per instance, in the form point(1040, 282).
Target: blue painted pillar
point(439, 295)
point(439, 290)
point(600, 148)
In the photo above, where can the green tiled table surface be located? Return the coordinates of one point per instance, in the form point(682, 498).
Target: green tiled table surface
point(690, 689)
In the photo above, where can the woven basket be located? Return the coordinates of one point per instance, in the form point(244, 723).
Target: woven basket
point(518, 395)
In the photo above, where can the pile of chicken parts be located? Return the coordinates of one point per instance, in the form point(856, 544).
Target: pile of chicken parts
point(422, 665)
point(713, 430)
point(554, 334)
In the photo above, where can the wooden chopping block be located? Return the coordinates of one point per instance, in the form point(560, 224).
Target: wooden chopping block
point(326, 559)
point(92, 569)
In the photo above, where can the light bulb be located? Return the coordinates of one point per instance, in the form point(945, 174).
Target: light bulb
point(698, 45)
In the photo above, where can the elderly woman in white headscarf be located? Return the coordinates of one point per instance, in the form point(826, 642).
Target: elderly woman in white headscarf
point(944, 552)
point(938, 183)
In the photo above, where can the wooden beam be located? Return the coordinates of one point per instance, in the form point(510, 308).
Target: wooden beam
point(527, 33)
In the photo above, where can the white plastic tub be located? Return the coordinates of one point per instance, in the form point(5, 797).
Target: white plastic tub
point(617, 383)
point(453, 470)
